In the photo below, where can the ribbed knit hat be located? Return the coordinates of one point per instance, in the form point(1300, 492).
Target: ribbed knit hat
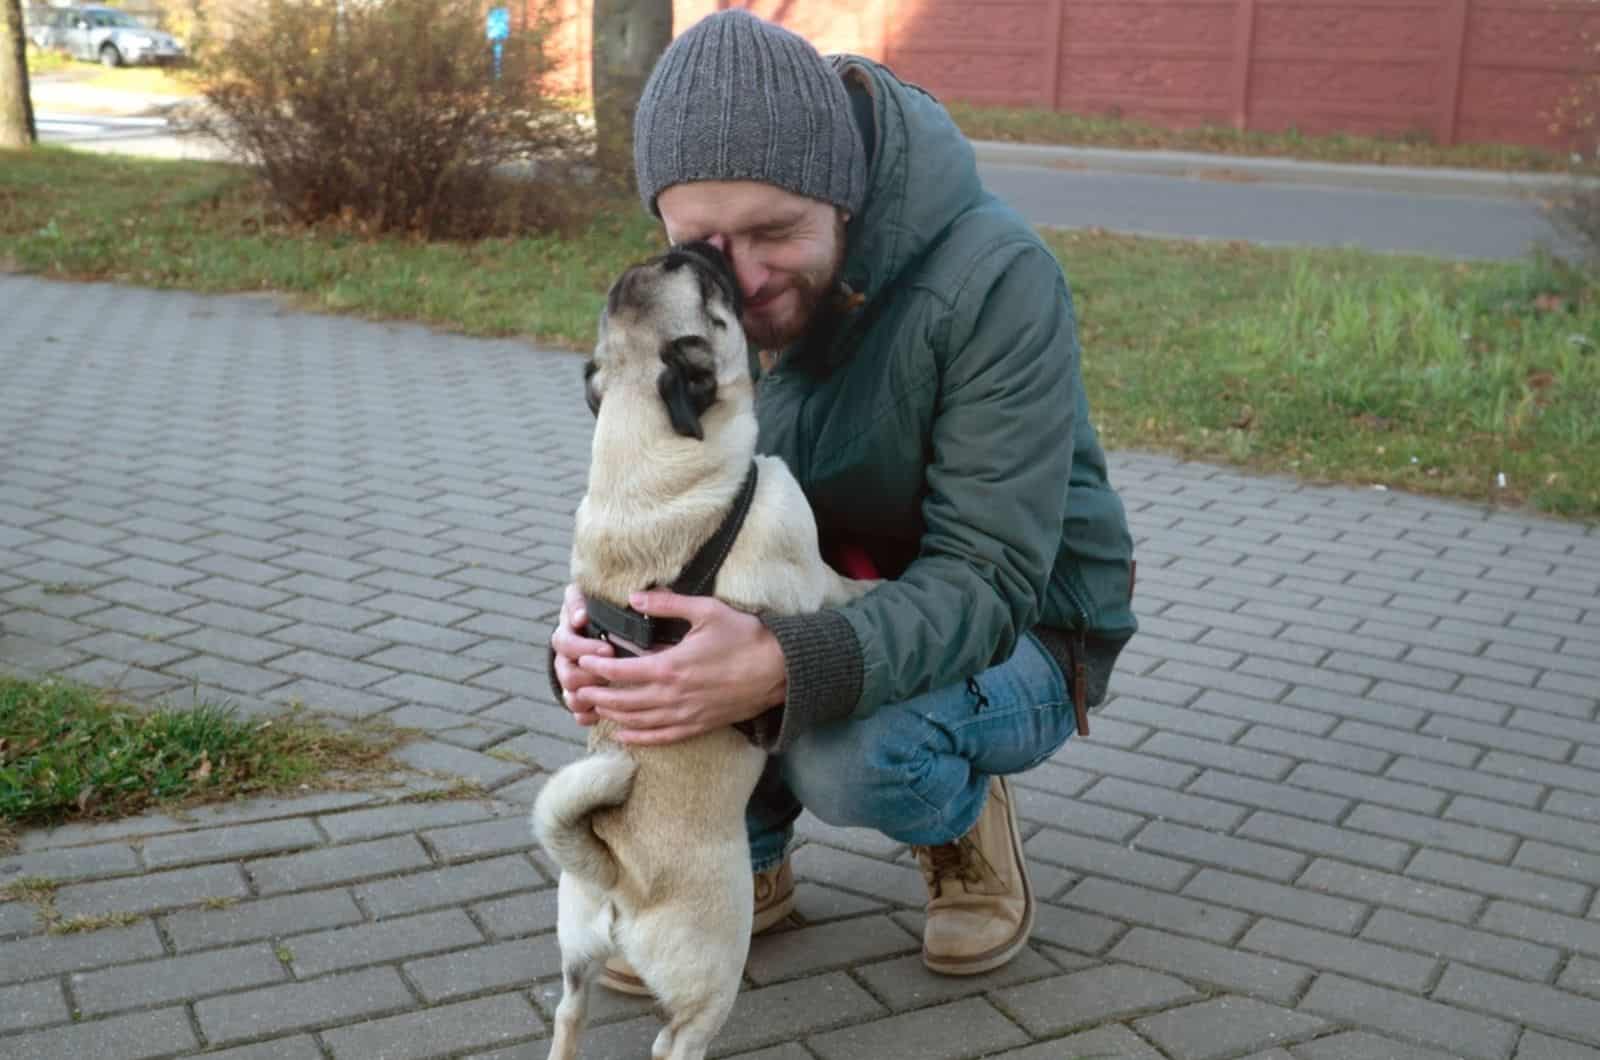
point(738, 98)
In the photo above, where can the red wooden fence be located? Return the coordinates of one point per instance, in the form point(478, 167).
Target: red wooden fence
point(1453, 70)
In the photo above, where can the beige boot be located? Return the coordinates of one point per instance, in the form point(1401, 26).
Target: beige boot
point(774, 893)
point(980, 901)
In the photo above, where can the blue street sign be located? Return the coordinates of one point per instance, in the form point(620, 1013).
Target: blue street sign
point(499, 23)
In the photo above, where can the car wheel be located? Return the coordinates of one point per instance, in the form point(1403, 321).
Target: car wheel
point(109, 56)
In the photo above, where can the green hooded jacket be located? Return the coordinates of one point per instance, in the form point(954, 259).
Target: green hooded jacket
point(940, 423)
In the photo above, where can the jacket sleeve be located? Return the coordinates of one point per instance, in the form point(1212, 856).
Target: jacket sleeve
point(999, 460)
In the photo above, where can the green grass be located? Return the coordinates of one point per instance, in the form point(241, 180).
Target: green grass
point(1036, 125)
point(71, 752)
point(1335, 365)
point(1349, 367)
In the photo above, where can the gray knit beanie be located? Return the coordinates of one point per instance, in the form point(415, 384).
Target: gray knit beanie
point(738, 98)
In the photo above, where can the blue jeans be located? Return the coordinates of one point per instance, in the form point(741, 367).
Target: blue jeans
point(916, 771)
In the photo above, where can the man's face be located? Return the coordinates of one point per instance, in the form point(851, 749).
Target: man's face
point(786, 249)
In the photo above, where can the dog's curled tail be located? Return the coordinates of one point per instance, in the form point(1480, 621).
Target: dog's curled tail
point(561, 814)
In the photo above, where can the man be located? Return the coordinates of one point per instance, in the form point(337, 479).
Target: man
point(919, 374)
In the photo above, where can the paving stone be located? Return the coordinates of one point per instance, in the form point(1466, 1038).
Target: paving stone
point(236, 841)
point(1359, 1045)
point(436, 757)
point(1155, 909)
point(1501, 882)
point(1524, 959)
point(71, 863)
point(302, 1005)
point(1207, 962)
point(31, 1005)
point(1325, 950)
point(1581, 976)
point(1269, 796)
point(1325, 840)
point(1098, 995)
point(1536, 1046)
point(1371, 789)
point(1225, 1026)
point(18, 918)
point(944, 1032)
point(1099, 1044)
point(905, 983)
point(1272, 899)
point(1455, 1030)
point(151, 892)
point(463, 842)
point(263, 918)
point(1537, 925)
point(376, 821)
point(132, 1037)
point(175, 979)
point(389, 940)
point(1388, 889)
point(804, 951)
point(1547, 826)
point(345, 702)
point(518, 914)
point(1193, 844)
point(1529, 1004)
point(1466, 781)
point(536, 749)
point(1108, 859)
point(338, 864)
point(331, 669)
point(791, 1010)
point(899, 884)
point(1228, 758)
point(1073, 929)
point(1150, 801)
point(484, 968)
point(1073, 815)
point(1432, 832)
point(436, 1031)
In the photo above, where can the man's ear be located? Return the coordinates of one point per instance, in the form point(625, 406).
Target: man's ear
point(688, 383)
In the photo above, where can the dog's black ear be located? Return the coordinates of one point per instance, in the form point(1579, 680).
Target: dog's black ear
point(688, 383)
point(590, 394)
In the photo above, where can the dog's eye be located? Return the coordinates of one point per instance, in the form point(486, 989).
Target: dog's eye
point(719, 323)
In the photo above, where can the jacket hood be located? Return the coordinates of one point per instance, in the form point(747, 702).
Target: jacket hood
point(922, 174)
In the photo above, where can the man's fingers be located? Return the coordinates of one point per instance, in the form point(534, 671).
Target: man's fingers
point(574, 646)
point(661, 603)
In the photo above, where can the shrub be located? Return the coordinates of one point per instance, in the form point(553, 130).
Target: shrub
point(388, 115)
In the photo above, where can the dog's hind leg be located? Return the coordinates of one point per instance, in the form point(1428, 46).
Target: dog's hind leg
point(689, 1034)
point(577, 979)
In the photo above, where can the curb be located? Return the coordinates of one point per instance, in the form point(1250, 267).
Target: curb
point(1418, 180)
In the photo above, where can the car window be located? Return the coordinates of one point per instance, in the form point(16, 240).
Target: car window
point(115, 18)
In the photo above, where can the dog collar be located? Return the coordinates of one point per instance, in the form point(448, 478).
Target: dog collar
point(630, 632)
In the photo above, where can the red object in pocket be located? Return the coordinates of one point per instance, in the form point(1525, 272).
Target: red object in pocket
point(853, 562)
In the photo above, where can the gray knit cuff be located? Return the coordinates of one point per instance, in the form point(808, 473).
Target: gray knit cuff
point(825, 668)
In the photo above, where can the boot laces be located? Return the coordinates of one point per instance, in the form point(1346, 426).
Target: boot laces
point(958, 861)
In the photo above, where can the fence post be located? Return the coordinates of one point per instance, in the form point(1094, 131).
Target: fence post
point(1454, 44)
point(1244, 33)
point(1055, 11)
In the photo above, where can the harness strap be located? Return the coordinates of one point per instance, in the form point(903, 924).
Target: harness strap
point(698, 578)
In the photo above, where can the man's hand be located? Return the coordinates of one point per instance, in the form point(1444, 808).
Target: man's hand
point(571, 646)
point(729, 668)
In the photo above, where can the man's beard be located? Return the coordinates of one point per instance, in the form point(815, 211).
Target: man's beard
point(814, 291)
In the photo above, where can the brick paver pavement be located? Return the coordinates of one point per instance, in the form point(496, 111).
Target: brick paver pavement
point(1346, 803)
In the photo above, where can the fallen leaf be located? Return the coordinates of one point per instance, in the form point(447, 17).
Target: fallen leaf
point(85, 798)
point(202, 772)
point(1246, 417)
point(1550, 303)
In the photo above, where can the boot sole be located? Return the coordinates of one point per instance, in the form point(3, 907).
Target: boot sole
point(1003, 953)
point(765, 920)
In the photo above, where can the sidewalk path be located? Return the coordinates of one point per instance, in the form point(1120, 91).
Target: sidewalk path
point(1346, 803)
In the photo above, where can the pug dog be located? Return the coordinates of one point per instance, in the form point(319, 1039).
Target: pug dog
point(655, 866)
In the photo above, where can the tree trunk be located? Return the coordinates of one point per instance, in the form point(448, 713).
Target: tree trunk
point(629, 36)
point(16, 109)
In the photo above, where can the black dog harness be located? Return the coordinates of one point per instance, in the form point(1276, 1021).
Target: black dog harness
point(630, 632)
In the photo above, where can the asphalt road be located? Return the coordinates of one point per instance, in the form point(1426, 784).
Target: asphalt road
point(1443, 225)
point(1454, 226)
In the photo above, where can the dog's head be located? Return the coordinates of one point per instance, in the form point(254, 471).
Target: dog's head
point(674, 318)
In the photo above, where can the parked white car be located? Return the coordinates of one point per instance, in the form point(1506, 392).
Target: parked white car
point(106, 35)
